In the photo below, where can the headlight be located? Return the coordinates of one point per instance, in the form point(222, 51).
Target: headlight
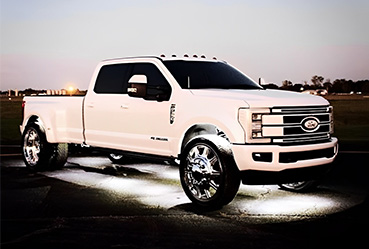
point(252, 123)
point(331, 118)
point(256, 125)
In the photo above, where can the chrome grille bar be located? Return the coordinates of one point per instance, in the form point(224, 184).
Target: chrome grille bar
point(286, 125)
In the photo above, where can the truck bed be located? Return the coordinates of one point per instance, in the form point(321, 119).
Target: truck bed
point(64, 114)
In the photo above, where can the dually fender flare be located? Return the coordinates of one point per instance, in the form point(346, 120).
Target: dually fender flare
point(44, 126)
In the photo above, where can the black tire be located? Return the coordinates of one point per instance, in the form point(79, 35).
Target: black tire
point(209, 175)
point(38, 154)
point(59, 156)
point(300, 187)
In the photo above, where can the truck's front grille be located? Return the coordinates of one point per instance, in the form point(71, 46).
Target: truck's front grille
point(290, 125)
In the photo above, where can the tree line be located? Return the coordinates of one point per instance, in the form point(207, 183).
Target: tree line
point(31, 91)
point(318, 82)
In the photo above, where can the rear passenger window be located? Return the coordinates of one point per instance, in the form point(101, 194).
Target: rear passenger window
point(113, 79)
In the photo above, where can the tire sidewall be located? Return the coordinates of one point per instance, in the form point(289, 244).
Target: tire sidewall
point(59, 155)
point(229, 181)
point(45, 154)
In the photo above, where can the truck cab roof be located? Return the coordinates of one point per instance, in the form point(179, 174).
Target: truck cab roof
point(173, 57)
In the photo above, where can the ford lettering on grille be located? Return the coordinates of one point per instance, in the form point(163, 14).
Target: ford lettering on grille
point(310, 124)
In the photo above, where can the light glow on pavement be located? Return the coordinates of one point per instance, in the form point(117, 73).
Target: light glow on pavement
point(158, 185)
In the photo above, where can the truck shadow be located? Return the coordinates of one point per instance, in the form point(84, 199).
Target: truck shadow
point(112, 170)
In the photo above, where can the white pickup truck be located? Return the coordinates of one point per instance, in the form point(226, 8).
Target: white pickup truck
point(221, 126)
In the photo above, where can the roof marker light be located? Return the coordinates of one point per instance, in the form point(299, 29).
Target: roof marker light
point(186, 55)
point(195, 56)
point(214, 58)
point(203, 56)
point(174, 55)
point(162, 55)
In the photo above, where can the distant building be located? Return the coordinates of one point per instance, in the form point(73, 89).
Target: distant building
point(11, 92)
point(56, 92)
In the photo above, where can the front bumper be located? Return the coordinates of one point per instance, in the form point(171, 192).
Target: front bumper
point(278, 158)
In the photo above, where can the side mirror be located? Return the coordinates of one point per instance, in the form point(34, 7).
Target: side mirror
point(137, 86)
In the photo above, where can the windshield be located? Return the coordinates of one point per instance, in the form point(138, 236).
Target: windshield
point(205, 74)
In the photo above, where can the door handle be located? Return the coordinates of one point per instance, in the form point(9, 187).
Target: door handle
point(91, 105)
point(124, 106)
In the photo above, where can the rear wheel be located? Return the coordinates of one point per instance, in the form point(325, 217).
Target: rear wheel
point(38, 154)
point(59, 155)
point(303, 186)
point(209, 176)
point(116, 158)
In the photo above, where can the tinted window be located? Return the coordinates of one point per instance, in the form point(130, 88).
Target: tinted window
point(199, 75)
point(156, 82)
point(113, 79)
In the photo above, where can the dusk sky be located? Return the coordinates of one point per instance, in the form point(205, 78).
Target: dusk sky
point(52, 44)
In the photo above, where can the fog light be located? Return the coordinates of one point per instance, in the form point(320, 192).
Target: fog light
point(262, 157)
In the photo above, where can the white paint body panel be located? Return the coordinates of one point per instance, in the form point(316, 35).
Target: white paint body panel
point(61, 117)
point(243, 156)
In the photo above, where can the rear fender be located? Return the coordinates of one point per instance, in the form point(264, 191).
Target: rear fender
point(44, 125)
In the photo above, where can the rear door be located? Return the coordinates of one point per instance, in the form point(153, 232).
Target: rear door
point(115, 120)
point(104, 110)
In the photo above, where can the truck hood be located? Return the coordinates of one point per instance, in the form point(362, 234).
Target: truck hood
point(263, 98)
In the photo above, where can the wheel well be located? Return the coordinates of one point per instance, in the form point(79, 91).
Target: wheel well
point(201, 129)
point(36, 120)
point(33, 119)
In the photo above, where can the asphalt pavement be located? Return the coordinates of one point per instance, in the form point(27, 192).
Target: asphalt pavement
point(92, 203)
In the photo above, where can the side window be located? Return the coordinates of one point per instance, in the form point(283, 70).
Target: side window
point(157, 85)
point(113, 79)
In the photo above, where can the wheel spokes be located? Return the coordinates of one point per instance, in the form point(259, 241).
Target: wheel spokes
point(32, 147)
point(214, 185)
point(202, 172)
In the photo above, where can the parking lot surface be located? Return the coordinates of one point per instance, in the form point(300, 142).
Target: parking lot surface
point(92, 203)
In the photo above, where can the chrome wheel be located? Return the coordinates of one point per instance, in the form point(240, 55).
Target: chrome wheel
point(209, 175)
point(40, 155)
point(31, 147)
point(115, 156)
point(202, 172)
point(293, 185)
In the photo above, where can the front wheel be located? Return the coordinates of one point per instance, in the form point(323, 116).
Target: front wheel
point(209, 175)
